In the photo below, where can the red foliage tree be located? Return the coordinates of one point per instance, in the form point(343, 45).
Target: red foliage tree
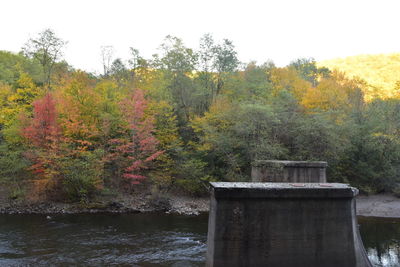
point(43, 129)
point(141, 149)
point(43, 133)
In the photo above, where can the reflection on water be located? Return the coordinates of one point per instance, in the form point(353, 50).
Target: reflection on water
point(381, 238)
point(141, 240)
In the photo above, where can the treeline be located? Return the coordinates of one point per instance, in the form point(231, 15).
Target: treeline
point(182, 118)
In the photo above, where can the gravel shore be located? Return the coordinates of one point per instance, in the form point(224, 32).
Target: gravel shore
point(175, 205)
point(378, 206)
point(368, 206)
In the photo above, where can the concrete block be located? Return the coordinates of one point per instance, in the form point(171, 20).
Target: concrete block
point(284, 225)
point(288, 171)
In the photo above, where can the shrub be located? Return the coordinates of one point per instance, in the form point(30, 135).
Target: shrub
point(82, 177)
point(13, 165)
point(193, 177)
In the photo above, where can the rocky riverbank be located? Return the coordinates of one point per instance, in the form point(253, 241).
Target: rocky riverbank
point(175, 204)
point(368, 206)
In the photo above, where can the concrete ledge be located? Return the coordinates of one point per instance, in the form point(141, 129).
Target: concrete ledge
point(282, 190)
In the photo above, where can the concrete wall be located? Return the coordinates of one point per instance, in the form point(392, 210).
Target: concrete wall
point(288, 171)
point(283, 225)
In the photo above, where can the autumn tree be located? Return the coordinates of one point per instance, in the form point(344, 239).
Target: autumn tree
point(43, 133)
point(335, 93)
point(135, 154)
point(79, 110)
point(167, 171)
point(288, 79)
point(43, 130)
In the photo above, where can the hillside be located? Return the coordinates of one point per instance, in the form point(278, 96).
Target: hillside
point(381, 71)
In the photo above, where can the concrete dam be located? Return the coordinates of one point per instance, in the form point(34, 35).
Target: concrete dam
point(284, 225)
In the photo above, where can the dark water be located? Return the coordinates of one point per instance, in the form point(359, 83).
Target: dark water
point(140, 240)
point(381, 238)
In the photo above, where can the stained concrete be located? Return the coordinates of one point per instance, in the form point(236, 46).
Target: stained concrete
point(288, 171)
point(284, 225)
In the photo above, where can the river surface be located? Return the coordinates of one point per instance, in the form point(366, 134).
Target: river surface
point(141, 240)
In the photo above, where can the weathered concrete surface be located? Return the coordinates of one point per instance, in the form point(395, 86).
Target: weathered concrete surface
point(289, 171)
point(284, 225)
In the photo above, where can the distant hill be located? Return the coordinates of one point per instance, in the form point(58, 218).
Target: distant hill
point(381, 71)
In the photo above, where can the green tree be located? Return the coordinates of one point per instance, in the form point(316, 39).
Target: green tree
point(308, 70)
point(47, 50)
point(225, 62)
point(177, 63)
point(13, 65)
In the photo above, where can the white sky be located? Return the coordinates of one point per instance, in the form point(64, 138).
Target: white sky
point(281, 30)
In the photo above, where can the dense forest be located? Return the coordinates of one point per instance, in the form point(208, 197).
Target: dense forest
point(182, 118)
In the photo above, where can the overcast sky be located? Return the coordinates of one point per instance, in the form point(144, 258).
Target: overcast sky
point(281, 30)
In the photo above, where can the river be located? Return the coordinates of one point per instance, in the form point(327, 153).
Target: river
point(141, 240)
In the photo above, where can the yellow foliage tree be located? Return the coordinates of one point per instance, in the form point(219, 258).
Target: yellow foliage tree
point(169, 141)
point(15, 103)
point(336, 93)
point(78, 105)
point(215, 118)
point(288, 79)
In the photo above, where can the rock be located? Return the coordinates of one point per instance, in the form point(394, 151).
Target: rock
point(160, 204)
point(115, 205)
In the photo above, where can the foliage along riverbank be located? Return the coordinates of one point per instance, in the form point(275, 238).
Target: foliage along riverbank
point(184, 117)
